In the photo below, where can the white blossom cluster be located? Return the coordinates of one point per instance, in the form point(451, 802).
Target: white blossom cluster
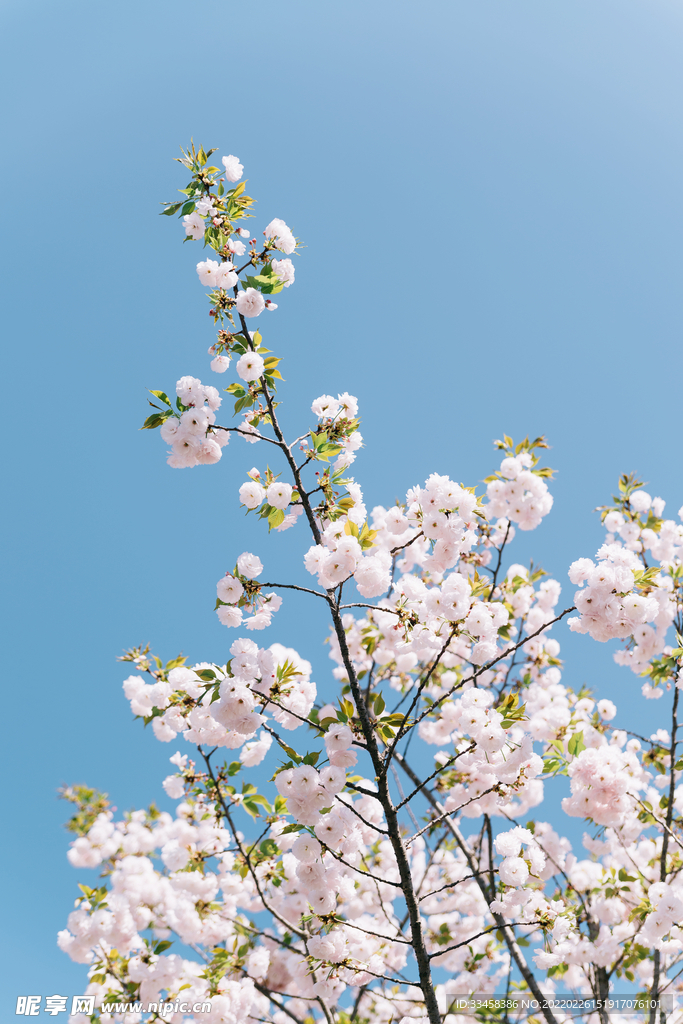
point(189, 434)
point(232, 597)
point(519, 494)
point(610, 605)
point(185, 704)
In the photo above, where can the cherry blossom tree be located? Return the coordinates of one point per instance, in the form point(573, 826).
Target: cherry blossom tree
point(391, 864)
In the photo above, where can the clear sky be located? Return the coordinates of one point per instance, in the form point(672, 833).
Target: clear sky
point(490, 196)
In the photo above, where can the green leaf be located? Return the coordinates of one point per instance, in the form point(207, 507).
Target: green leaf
point(161, 946)
point(347, 707)
point(290, 752)
point(554, 766)
point(312, 757)
point(259, 798)
point(170, 210)
point(207, 674)
point(394, 719)
point(646, 577)
point(266, 284)
point(275, 518)
point(379, 704)
point(162, 396)
point(156, 420)
point(244, 403)
point(187, 208)
point(269, 848)
point(576, 744)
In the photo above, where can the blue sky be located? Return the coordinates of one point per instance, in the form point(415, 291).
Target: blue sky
point(489, 194)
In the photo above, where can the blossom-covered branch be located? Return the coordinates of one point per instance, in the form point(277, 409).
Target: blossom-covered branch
point(316, 889)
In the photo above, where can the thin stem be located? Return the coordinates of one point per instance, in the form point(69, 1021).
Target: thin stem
point(446, 814)
point(442, 768)
point(423, 683)
point(374, 607)
point(500, 558)
point(490, 664)
point(395, 551)
point(291, 586)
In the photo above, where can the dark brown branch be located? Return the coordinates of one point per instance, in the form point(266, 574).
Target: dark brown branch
point(395, 551)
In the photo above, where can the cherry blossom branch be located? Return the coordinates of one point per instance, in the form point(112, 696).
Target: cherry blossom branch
point(281, 1006)
point(446, 814)
point(292, 586)
point(368, 824)
point(283, 445)
point(450, 885)
point(432, 856)
point(505, 928)
point(490, 664)
point(417, 934)
point(402, 795)
point(402, 547)
point(666, 831)
point(364, 874)
point(373, 607)
point(297, 440)
point(247, 859)
point(423, 683)
point(359, 789)
point(377, 935)
point(442, 768)
point(384, 977)
point(466, 942)
point(500, 559)
point(246, 433)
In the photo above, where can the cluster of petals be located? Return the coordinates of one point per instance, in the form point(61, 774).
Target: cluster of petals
point(608, 605)
point(192, 441)
point(603, 782)
point(282, 234)
point(217, 275)
point(519, 494)
point(232, 599)
point(332, 412)
point(185, 704)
